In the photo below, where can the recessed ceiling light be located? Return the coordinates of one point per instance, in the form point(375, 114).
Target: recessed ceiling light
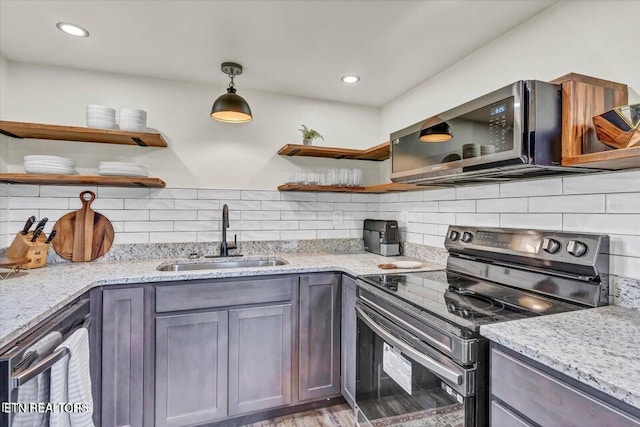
point(72, 29)
point(350, 79)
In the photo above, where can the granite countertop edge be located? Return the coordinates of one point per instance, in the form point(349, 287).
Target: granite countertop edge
point(30, 298)
point(593, 346)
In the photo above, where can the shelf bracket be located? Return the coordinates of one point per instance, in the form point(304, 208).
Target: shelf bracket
point(9, 134)
point(138, 141)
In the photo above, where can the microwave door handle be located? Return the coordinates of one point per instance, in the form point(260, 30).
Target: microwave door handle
point(38, 368)
point(415, 355)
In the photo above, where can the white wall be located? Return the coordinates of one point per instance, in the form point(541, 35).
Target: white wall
point(597, 38)
point(202, 152)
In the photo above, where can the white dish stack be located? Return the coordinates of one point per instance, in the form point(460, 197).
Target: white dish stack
point(122, 169)
point(133, 119)
point(50, 165)
point(101, 117)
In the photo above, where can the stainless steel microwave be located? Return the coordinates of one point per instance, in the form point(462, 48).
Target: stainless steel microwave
point(513, 132)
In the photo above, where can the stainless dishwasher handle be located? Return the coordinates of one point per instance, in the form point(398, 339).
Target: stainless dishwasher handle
point(420, 358)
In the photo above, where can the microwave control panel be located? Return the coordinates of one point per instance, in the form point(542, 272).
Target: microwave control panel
point(501, 125)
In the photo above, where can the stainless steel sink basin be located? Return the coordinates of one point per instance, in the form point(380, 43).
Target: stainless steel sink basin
point(215, 265)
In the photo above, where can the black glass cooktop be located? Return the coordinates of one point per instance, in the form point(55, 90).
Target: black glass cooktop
point(465, 300)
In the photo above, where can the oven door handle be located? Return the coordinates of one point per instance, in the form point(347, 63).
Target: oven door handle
point(415, 355)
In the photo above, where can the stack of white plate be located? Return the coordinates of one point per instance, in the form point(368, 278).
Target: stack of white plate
point(133, 119)
point(101, 117)
point(52, 165)
point(122, 169)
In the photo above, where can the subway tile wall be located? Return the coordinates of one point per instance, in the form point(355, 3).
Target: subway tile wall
point(141, 215)
point(603, 203)
point(607, 203)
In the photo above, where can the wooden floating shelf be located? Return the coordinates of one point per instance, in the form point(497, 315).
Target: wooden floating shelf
point(23, 130)
point(374, 189)
point(105, 181)
point(378, 153)
point(623, 158)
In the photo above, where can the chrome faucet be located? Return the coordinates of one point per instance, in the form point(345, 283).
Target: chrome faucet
point(224, 246)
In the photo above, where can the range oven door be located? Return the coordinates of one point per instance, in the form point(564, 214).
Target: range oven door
point(404, 382)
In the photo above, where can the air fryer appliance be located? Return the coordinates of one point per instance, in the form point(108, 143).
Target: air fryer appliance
point(381, 237)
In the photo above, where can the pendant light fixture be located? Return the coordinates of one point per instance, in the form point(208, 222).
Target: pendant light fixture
point(231, 107)
point(437, 133)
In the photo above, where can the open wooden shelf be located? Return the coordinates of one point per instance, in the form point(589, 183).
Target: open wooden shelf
point(106, 181)
point(378, 153)
point(623, 158)
point(375, 189)
point(24, 130)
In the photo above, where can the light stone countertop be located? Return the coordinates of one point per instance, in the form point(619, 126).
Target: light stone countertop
point(599, 347)
point(32, 295)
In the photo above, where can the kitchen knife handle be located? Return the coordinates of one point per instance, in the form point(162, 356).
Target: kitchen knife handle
point(51, 236)
point(28, 225)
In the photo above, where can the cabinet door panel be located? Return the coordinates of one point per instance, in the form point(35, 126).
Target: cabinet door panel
point(349, 336)
point(191, 368)
point(259, 358)
point(122, 357)
point(319, 336)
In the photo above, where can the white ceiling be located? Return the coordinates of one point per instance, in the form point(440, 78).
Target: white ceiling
point(292, 47)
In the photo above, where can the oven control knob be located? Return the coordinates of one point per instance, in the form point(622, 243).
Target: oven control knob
point(576, 248)
point(467, 237)
point(550, 245)
point(454, 235)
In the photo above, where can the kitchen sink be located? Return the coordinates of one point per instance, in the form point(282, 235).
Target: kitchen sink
point(215, 265)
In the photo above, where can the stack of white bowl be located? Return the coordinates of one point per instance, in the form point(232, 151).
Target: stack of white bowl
point(101, 117)
point(122, 169)
point(51, 165)
point(133, 119)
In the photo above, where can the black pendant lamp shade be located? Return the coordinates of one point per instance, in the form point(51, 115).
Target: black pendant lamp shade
point(231, 107)
point(437, 133)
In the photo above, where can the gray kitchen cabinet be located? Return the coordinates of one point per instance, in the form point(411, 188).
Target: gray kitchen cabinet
point(259, 358)
point(122, 357)
point(191, 368)
point(526, 395)
point(319, 336)
point(348, 340)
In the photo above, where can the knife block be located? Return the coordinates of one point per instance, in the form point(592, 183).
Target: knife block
point(22, 246)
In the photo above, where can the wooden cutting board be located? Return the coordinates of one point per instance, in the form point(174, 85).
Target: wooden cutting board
point(83, 235)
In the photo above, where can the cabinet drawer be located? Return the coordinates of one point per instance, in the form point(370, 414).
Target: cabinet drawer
point(223, 293)
point(546, 400)
point(502, 417)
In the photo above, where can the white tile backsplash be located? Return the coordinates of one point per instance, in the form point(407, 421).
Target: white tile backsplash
point(261, 215)
point(534, 221)
point(163, 215)
point(616, 182)
point(219, 194)
point(623, 203)
point(259, 195)
point(628, 224)
point(601, 203)
point(174, 193)
point(124, 193)
point(478, 192)
point(198, 204)
point(536, 187)
point(148, 203)
point(581, 203)
point(513, 205)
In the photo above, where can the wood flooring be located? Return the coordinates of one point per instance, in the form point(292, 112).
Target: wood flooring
point(331, 416)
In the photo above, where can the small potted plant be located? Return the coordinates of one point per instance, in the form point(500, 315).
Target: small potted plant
point(308, 135)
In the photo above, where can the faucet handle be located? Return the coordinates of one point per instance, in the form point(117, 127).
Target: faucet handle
point(233, 245)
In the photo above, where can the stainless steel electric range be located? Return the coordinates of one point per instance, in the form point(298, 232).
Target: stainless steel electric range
point(420, 358)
